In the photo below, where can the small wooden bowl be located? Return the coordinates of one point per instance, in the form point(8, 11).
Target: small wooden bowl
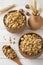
point(16, 30)
point(32, 56)
point(35, 22)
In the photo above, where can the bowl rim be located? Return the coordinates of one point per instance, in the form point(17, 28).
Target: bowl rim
point(24, 54)
point(11, 12)
point(10, 29)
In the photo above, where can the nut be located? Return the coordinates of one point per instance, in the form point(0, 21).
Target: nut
point(27, 6)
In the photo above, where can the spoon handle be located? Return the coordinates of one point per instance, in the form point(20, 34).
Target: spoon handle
point(17, 61)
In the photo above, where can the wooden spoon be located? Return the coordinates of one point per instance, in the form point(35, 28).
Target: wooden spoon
point(11, 54)
point(17, 61)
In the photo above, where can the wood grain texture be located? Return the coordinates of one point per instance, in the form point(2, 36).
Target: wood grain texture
point(4, 32)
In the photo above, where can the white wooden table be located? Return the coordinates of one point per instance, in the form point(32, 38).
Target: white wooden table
point(4, 32)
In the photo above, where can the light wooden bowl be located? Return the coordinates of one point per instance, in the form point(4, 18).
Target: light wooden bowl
point(32, 56)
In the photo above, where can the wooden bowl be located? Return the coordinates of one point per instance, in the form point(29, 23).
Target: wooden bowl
point(35, 22)
point(16, 30)
point(32, 56)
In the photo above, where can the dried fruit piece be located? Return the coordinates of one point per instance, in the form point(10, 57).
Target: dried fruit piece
point(27, 6)
point(27, 13)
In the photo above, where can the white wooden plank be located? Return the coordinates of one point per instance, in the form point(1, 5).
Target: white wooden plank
point(4, 32)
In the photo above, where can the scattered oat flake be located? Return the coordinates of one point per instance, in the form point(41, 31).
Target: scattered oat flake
point(12, 41)
point(4, 37)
